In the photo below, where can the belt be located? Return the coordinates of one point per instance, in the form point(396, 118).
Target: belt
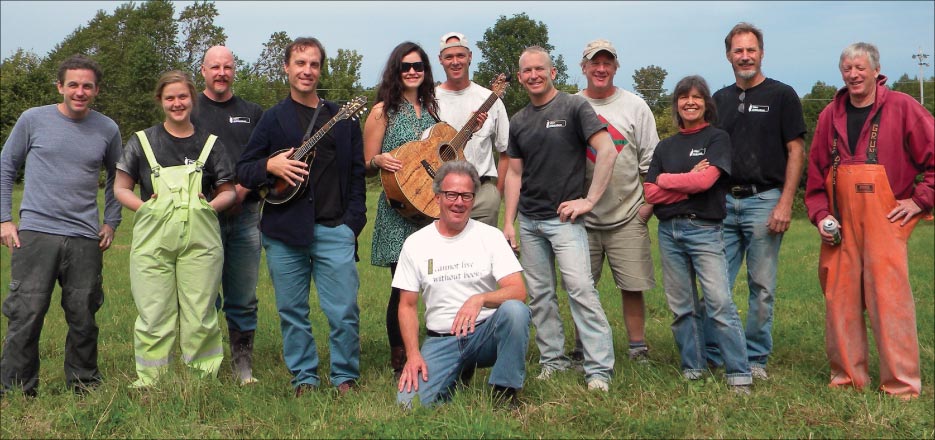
point(434, 334)
point(485, 179)
point(741, 191)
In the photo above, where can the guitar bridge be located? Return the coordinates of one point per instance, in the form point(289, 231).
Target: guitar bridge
point(428, 168)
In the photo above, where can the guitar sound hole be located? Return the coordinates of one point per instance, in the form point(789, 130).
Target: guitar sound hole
point(447, 152)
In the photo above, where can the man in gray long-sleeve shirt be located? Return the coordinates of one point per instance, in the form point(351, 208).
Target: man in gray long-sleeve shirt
point(59, 237)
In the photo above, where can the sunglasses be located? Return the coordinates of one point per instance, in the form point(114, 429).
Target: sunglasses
point(453, 195)
point(419, 66)
point(742, 107)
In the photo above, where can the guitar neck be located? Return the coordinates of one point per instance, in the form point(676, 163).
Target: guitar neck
point(310, 143)
point(462, 137)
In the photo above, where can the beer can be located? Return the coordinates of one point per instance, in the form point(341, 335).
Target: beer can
point(831, 227)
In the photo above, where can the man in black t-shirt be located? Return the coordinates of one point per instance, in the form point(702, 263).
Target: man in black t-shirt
point(764, 119)
point(232, 120)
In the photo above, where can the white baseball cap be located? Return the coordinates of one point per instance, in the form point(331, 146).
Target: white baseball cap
point(461, 41)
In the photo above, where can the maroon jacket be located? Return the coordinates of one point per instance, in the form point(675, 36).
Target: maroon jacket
point(905, 148)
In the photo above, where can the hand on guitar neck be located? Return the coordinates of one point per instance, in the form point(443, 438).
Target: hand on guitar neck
point(389, 163)
point(291, 170)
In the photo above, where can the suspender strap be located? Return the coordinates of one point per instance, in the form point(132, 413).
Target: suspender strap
point(203, 157)
point(148, 151)
point(835, 161)
point(874, 131)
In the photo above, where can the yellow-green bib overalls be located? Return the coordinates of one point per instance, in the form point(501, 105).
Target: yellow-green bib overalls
point(175, 270)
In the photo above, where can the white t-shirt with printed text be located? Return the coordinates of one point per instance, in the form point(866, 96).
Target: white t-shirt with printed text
point(449, 270)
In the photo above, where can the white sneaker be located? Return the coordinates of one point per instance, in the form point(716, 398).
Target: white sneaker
point(598, 385)
point(759, 372)
point(546, 372)
point(743, 390)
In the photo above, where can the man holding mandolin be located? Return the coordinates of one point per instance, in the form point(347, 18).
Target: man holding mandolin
point(314, 233)
point(458, 99)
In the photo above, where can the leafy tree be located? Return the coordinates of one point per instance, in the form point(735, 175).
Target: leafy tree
point(501, 47)
point(340, 81)
point(23, 84)
point(199, 33)
point(812, 104)
point(264, 81)
point(910, 86)
point(665, 126)
point(270, 63)
point(251, 86)
point(647, 82)
point(134, 46)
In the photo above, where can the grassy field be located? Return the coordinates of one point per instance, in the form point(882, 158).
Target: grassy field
point(644, 400)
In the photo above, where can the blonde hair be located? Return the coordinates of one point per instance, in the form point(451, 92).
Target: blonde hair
point(172, 77)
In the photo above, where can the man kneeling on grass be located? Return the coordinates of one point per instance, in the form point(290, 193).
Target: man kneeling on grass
point(457, 263)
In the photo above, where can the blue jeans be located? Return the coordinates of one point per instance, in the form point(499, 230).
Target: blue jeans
point(500, 341)
point(693, 249)
point(330, 260)
point(745, 233)
point(241, 238)
point(543, 242)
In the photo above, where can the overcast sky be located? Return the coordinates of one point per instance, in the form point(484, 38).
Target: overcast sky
point(802, 39)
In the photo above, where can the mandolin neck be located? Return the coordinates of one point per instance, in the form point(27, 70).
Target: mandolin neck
point(310, 143)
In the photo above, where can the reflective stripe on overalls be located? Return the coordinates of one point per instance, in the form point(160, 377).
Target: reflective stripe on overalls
point(872, 258)
point(175, 269)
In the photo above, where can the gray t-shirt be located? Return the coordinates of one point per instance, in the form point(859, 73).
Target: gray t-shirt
point(63, 159)
point(552, 141)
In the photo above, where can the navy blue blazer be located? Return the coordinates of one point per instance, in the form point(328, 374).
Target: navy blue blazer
point(293, 222)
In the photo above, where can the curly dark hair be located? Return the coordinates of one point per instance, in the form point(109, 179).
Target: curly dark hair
point(390, 90)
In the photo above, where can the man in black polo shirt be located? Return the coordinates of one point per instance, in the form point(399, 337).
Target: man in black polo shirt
point(232, 120)
point(764, 119)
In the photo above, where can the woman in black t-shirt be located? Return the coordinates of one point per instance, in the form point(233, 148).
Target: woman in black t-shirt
point(176, 254)
point(686, 183)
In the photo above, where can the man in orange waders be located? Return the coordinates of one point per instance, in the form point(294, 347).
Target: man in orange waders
point(870, 144)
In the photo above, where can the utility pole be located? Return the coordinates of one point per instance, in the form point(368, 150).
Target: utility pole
point(921, 57)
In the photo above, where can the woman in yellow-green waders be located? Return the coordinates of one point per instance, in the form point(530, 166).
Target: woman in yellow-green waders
point(176, 253)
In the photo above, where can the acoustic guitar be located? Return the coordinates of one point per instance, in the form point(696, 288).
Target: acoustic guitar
point(281, 191)
point(409, 190)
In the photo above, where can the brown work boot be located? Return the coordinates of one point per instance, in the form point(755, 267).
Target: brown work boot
point(397, 360)
point(346, 387)
point(242, 356)
point(304, 388)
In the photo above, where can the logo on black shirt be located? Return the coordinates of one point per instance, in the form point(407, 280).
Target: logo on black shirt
point(239, 119)
point(697, 152)
point(555, 124)
point(754, 108)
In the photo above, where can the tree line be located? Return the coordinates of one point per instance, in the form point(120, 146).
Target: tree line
point(137, 42)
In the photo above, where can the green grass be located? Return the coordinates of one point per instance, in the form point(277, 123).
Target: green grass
point(644, 401)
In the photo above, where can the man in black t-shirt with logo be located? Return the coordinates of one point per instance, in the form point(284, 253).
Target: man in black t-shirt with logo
point(764, 119)
point(232, 120)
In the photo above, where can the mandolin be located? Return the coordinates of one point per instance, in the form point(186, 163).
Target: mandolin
point(281, 191)
point(409, 190)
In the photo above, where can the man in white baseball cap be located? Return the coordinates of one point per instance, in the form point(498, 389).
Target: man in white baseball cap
point(458, 99)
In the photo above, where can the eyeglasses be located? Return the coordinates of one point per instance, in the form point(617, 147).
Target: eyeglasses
point(419, 66)
point(742, 107)
point(453, 195)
